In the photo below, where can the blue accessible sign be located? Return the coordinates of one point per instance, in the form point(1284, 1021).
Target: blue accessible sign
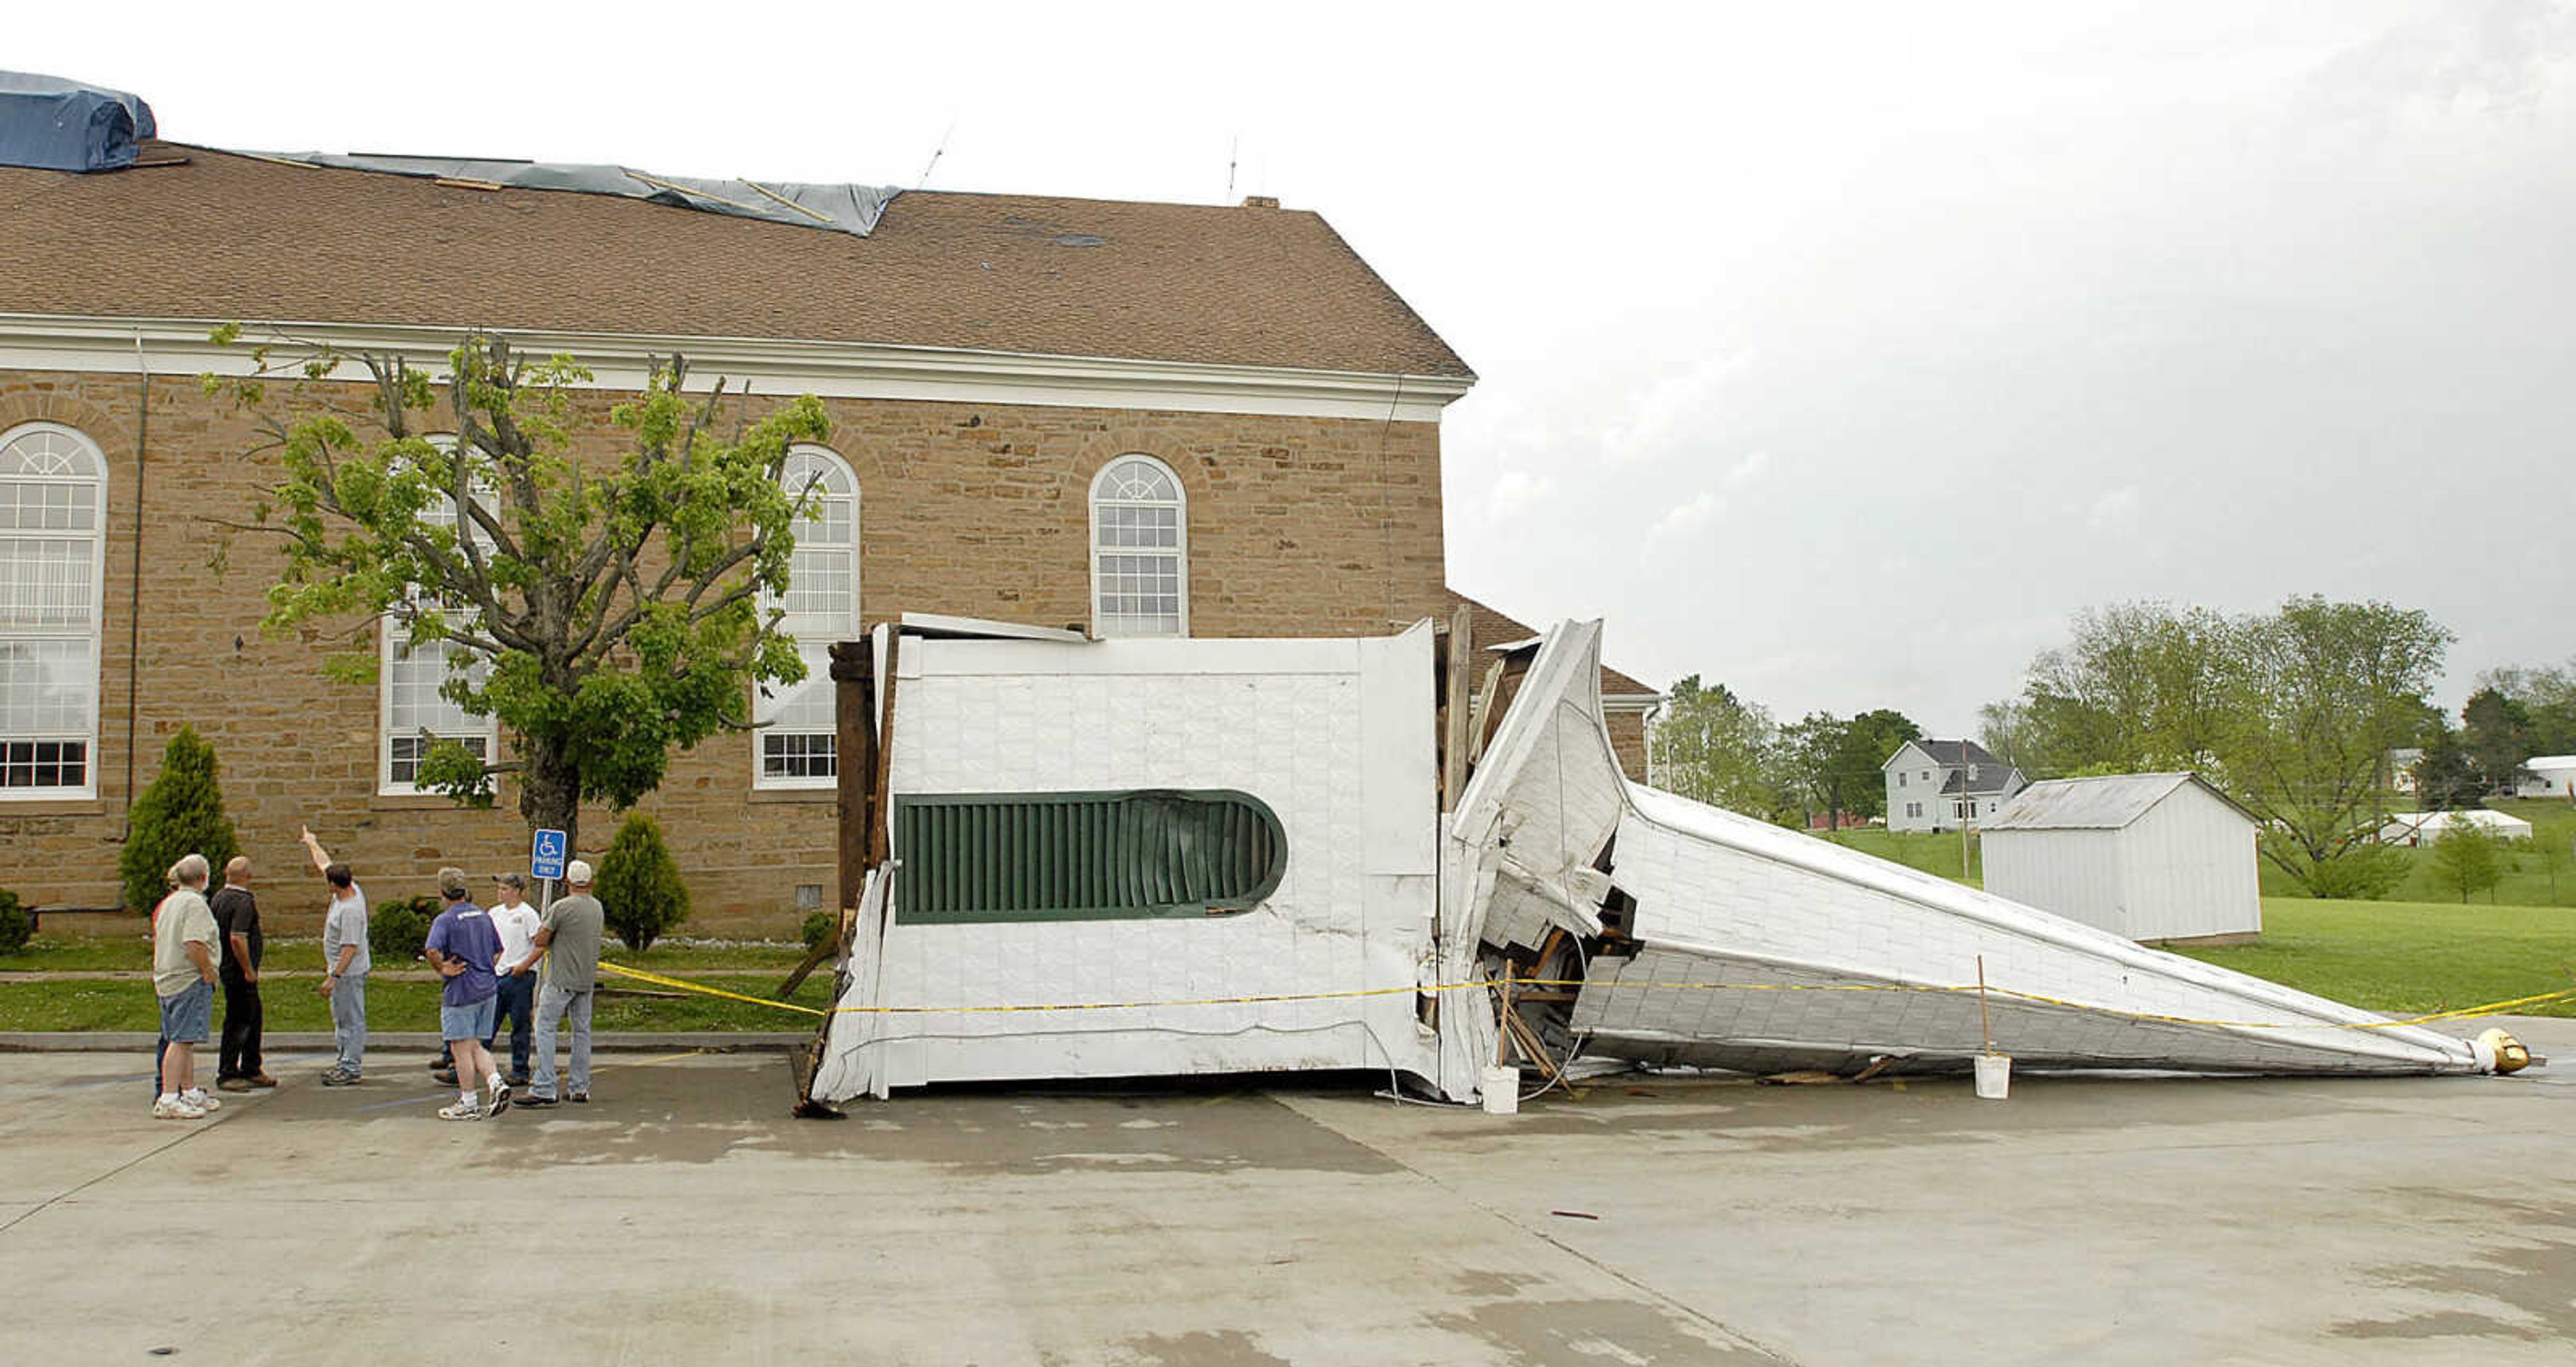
point(547, 859)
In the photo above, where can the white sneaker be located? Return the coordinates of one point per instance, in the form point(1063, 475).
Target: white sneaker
point(500, 1096)
point(198, 1097)
point(462, 1110)
point(176, 1108)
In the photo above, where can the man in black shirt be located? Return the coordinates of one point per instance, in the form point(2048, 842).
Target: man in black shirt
point(237, 917)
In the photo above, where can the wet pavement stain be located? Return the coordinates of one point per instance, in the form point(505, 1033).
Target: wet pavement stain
point(2529, 1280)
point(695, 1112)
point(1229, 1348)
point(1591, 1333)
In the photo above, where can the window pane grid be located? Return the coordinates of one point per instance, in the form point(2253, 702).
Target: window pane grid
point(821, 605)
point(52, 491)
point(44, 763)
point(47, 581)
point(403, 754)
point(799, 754)
point(1139, 556)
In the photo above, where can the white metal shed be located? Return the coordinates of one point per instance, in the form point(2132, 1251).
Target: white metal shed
point(2148, 856)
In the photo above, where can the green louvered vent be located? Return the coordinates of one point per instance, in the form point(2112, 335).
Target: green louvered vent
point(1084, 856)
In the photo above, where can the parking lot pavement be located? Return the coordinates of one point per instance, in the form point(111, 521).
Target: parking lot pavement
point(681, 1218)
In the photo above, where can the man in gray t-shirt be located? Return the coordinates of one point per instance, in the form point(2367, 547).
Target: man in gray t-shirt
point(569, 935)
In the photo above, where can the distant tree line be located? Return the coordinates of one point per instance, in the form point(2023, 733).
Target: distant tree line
point(2297, 713)
point(1729, 752)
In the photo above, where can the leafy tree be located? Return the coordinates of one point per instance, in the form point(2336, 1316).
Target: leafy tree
point(2495, 738)
point(2547, 696)
point(180, 812)
point(2006, 730)
point(2324, 692)
point(2294, 711)
point(2467, 857)
point(1717, 748)
point(605, 612)
point(2444, 778)
point(639, 885)
point(1868, 741)
point(1833, 763)
point(2141, 686)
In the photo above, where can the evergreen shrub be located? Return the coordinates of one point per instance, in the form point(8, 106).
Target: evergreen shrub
point(398, 927)
point(180, 813)
point(15, 924)
point(639, 884)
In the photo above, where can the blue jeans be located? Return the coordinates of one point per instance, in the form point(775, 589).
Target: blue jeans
point(512, 1004)
point(349, 1021)
point(553, 1005)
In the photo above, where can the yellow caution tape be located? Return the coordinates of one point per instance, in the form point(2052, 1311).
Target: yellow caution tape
point(2462, 1013)
point(687, 986)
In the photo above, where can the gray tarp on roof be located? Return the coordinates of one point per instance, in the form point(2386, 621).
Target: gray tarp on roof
point(852, 209)
point(58, 125)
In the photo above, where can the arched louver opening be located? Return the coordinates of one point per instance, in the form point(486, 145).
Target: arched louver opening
point(1084, 856)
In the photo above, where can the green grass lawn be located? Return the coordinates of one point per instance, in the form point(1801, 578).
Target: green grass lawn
point(132, 951)
point(2528, 880)
point(2411, 957)
point(753, 970)
point(1933, 853)
point(292, 1004)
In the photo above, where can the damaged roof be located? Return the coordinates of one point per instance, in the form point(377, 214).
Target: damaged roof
point(232, 237)
point(1493, 628)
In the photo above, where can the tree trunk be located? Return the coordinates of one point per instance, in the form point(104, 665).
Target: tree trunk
point(550, 790)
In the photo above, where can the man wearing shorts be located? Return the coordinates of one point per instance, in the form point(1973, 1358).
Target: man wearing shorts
point(184, 940)
point(462, 946)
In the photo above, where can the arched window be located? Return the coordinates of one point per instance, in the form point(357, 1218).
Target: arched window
point(799, 745)
point(412, 713)
point(1140, 557)
point(53, 542)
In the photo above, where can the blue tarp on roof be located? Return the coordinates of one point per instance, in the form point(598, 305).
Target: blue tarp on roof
point(58, 125)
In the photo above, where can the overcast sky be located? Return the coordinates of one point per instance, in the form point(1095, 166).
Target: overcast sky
point(1838, 353)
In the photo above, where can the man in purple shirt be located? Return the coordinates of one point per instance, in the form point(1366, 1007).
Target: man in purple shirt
point(462, 945)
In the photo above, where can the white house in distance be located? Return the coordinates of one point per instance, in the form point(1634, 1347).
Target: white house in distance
point(2148, 856)
point(2547, 776)
point(1935, 785)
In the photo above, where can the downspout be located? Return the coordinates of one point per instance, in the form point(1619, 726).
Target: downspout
point(134, 579)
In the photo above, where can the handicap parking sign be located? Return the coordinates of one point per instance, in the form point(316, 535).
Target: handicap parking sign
point(547, 859)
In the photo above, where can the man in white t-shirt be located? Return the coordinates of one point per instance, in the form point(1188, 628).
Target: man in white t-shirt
point(516, 968)
point(345, 961)
point(184, 945)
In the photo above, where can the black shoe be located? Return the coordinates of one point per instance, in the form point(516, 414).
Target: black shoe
point(581, 1098)
point(532, 1099)
point(517, 1079)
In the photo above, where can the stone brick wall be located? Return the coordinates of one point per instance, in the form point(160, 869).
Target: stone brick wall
point(1296, 526)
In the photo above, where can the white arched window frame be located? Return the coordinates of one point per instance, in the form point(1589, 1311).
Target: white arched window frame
point(1140, 550)
point(412, 715)
point(798, 745)
point(53, 559)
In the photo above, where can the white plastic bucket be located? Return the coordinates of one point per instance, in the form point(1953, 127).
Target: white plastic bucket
point(1994, 1076)
point(1502, 1089)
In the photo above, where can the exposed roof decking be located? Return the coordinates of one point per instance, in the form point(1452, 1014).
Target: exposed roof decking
point(232, 237)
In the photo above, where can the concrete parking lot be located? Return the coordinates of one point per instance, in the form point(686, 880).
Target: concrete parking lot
point(682, 1218)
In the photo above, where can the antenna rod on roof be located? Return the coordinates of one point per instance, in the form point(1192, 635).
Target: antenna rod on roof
point(924, 181)
point(1231, 148)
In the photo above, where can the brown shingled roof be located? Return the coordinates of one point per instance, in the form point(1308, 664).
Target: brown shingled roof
point(235, 237)
point(1492, 628)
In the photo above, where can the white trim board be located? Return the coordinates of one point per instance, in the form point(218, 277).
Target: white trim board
point(841, 370)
